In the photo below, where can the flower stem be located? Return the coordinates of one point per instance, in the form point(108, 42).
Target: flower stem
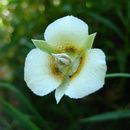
point(114, 75)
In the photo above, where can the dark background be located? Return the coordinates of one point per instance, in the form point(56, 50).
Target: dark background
point(22, 20)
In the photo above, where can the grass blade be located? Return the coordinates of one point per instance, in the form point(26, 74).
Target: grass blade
point(115, 75)
point(26, 102)
point(17, 115)
point(108, 116)
point(108, 23)
point(4, 124)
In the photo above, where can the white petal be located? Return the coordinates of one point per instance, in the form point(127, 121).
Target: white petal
point(59, 93)
point(37, 73)
point(66, 30)
point(92, 76)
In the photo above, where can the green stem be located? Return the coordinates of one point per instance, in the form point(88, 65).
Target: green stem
point(114, 75)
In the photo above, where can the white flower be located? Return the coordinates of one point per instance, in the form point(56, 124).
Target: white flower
point(65, 61)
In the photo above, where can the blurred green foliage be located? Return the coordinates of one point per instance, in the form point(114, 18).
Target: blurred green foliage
point(22, 20)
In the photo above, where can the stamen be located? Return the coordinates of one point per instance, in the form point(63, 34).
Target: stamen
point(62, 58)
point(63, 61)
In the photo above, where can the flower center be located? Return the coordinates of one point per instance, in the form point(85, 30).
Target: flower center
point(62, 59)
point(60, 63)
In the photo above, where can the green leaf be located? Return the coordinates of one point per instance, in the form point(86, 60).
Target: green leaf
point(121, 17)
point(89, 42)
point(108, 23)
point(44, 46)
point(5, 124)
point(17, 115)
point(115, 75)
point(128, 11)
point(26, 103)
point(108, 116)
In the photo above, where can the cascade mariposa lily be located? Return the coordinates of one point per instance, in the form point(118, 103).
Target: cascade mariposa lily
point(65, 61)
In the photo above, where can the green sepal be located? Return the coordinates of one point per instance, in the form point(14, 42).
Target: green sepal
point(89, 42)
point(44, 46)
